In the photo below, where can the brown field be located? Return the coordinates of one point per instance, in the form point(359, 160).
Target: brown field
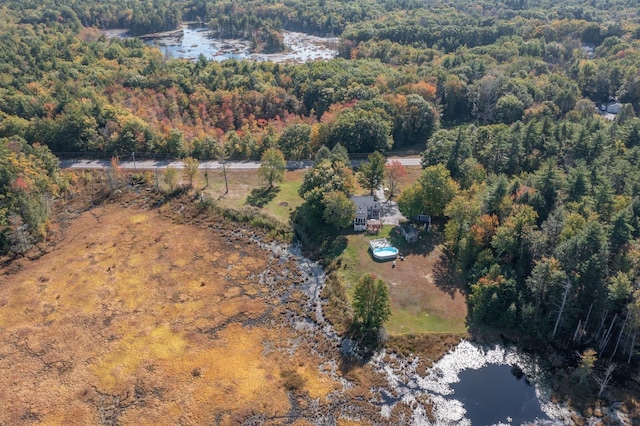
point(145, 315)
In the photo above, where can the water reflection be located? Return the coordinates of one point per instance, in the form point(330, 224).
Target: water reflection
point(493, 395)
point(471, 385)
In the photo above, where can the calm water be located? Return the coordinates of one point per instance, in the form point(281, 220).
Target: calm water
point(493, 395)
point(471, 385)
point(386, 251)
point(193, 42)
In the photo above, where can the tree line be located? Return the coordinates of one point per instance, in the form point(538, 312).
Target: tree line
point(545, 238)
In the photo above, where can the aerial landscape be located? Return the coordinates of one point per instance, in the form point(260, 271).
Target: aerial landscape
point(321, 212)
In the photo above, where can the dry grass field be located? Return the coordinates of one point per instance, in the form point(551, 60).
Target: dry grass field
point(161, 315)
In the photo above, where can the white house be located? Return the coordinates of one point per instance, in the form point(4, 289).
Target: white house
point(366, 208)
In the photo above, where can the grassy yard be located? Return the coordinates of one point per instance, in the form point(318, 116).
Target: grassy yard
point(247, 189)
point(422, 301)
point(286, 199)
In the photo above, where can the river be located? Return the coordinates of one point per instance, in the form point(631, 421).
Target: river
point(192, 40)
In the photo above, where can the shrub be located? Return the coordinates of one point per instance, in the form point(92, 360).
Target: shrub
point(291, 380)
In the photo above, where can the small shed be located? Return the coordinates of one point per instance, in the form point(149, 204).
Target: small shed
point(614, 108)
point(423, 220)
point(410, 233)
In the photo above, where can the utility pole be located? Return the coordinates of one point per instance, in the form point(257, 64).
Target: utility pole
point(226, 184)
point(222, 158)
point(133, 154)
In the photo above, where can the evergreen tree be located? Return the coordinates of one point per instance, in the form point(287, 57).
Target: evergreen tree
point(371, 303)
point(371, 174)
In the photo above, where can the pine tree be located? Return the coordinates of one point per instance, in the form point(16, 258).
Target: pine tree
point(371, 173)
point(371, 303)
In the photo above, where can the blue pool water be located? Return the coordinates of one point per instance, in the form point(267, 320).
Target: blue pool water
point(385, 253)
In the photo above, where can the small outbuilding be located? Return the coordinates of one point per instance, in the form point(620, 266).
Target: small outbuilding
point(423, 220)
point(614, 108)
point(410, 233)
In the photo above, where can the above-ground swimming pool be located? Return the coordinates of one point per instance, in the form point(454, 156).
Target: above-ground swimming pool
point(385, 253)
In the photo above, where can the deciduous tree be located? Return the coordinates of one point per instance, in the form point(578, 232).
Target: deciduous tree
point(339, 210)
point(272, 166)
point(294, 142)
point(393, 173)
point(29, 179)
point(360, 130)
point(416, 119)
point(171, 178)
point(430, 194)
point(326, 176)
point(190, 170)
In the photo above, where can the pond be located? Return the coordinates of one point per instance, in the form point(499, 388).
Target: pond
point(193, 40)
point(498, 394)
point(472, 385)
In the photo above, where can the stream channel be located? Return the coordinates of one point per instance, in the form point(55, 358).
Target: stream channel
point(470, 385)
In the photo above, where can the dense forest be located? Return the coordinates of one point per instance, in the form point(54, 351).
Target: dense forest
point(541, 192)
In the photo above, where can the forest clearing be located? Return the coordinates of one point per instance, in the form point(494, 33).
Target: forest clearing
point(423, 298)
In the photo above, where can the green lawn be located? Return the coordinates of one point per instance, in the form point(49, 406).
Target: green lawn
point(286, 199)
point(247, 189)
point(403, 321)
point(417, 304)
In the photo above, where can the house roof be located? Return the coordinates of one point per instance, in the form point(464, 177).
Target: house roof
point(614, 108)
point(423, 218)
point(409, 230)
point(363, 201)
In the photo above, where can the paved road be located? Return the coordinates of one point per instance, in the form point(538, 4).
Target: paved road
point(390, 213)
point(154, 164)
